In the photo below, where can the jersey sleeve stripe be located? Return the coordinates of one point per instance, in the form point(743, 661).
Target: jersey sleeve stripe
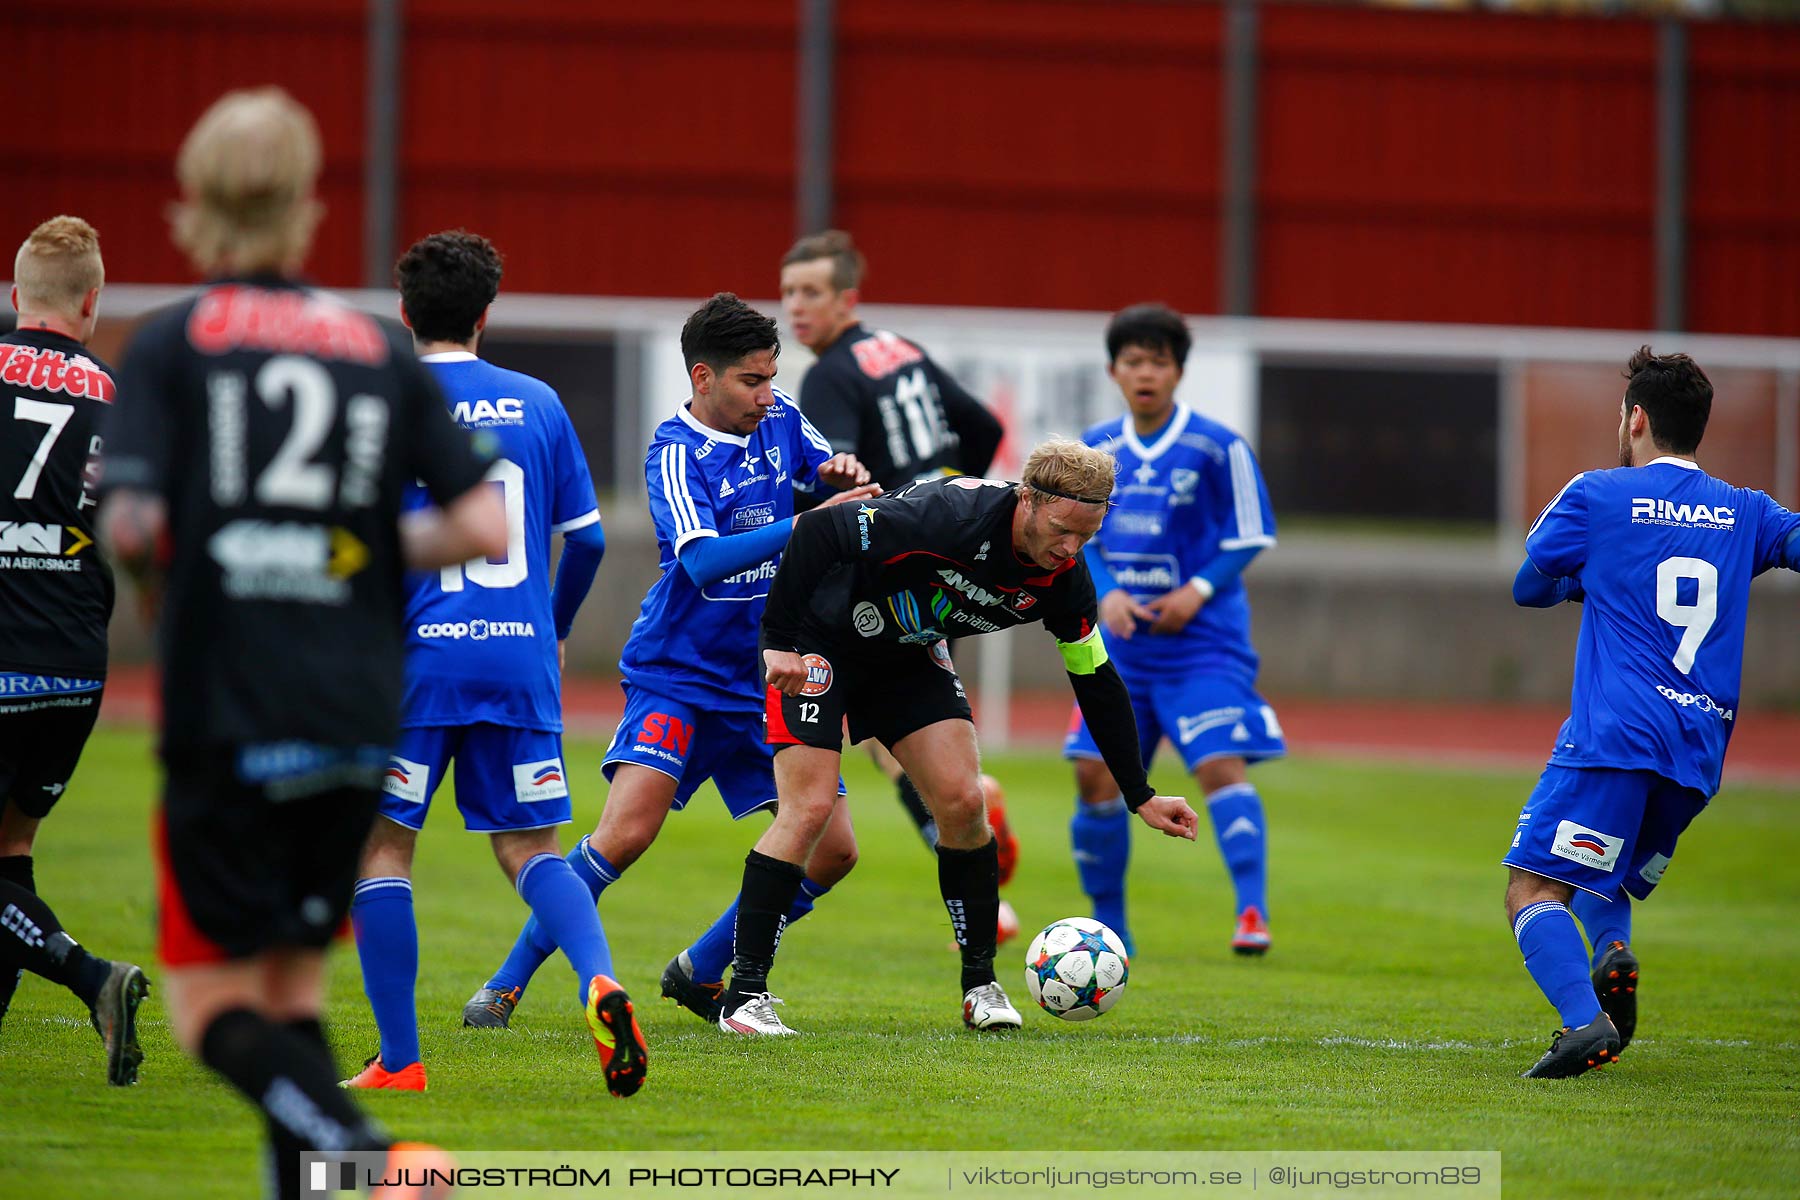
point(1559, 495)
point(1261, 541)
point(1245, 493)
point(681, 504)
point(591, 517)
point(815, 437)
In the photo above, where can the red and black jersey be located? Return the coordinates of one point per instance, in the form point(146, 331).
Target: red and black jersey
point(933, 561)
point(880, 397)
point(280, 426)
point(937, 561)
point(56, 590)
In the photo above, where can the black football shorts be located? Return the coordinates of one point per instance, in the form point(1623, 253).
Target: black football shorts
point(41, 739)
point(885, 691)
point(240, 872)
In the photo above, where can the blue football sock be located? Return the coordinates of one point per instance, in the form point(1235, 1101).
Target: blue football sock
point(536, 943)
point(564, 909)
point(1603, 922)
point(387, 942)
point(1101, 836)
point(1237, 817)
point(711, 952)
point(1557, 960)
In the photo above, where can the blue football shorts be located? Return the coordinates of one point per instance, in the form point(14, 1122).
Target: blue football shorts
point(691, 745)
point(1204, 716)
point(506, 778)
point(1601, 829)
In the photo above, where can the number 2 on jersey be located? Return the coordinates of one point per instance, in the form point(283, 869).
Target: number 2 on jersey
point(511, 570)
point(1693, 619)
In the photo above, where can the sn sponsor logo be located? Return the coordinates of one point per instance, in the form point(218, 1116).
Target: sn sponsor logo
point(1664, 512)
point(670, 733)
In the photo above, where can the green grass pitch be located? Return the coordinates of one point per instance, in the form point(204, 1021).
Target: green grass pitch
point(1392, 1014)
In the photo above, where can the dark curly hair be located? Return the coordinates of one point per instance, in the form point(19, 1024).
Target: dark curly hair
point(446, 282)
point(724, 331)
point(1674, 393)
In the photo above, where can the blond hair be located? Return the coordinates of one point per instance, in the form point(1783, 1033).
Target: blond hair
point(1064, 469)
point(247, 171)
point(58, 265)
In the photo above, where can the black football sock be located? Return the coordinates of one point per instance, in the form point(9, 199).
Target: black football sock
point(14, 868)
point(31, 937)
point(770, 886)
point(284, 1147)
point(970, 882)
point(290, 1078)
point(915, 808)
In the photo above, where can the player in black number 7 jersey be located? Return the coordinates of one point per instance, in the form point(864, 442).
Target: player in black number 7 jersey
point(56, 592)
point(855, 628)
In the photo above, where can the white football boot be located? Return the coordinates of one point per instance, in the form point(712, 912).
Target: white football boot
point(757, 1016)
point(987, 1007)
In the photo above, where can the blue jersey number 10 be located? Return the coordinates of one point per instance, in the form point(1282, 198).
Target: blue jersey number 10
point(511, 570)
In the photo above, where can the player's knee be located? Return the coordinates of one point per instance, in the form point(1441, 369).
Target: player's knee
point(1093, 782)
point(961, 814)
point(829, 865)
point(1216, 773)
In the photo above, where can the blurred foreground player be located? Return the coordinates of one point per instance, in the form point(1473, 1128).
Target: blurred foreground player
point(57, 593)
point(855, 629)
point(1190, 512)
point(254, 472)
point(875, 394)
point(1661, 556)
point(484, 679)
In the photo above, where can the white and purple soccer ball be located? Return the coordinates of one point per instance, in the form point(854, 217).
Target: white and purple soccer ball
point(1076, 968)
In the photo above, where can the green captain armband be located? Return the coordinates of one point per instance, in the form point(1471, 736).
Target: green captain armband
point(1086, 656)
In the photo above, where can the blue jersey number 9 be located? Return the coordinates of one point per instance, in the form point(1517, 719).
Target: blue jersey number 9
point(1694, 619)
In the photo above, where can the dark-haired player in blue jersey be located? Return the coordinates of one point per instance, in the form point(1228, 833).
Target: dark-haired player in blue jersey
point(1661, 555)
point(721, 474)
point(484, 680)
point(1189, 512)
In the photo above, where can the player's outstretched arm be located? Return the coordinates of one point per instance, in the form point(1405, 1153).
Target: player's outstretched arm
point(1106, 707)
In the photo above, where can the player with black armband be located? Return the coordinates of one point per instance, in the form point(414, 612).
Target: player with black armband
point(855, 628)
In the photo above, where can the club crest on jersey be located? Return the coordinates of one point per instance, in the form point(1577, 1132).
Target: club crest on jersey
point(406, 780)
point(535, 781)
point(1579, 843)
point(818, 675)
point(774, 453)
point(1184, 481)
point(1647, 511)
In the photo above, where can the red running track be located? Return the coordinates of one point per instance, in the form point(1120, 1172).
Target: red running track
point(1765, 747)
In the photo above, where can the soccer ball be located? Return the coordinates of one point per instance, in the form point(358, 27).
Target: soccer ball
point(1076, 968)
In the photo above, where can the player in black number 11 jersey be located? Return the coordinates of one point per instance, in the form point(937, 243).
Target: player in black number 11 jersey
point(855, 628)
